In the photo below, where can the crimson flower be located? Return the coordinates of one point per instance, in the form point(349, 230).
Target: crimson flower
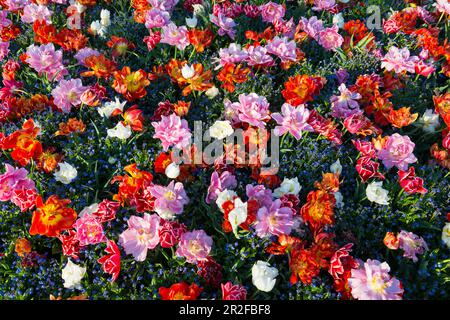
point(111, 262)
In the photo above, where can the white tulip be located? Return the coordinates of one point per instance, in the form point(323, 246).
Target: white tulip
point(66, 173)
point(120, 131)
point(238, 215)
point(198, 9)
point(187, 71)
point(288, 186)
point(105, 18)
point(72, 275)
point(429, 121)
point(338, 19)
point(191, 22)
point(264, 276)
point(336, 167)
point(338, 196)
point(212, 92)
point(110, 106)
point(172, 171)
point(376, 193)
point(221, 129)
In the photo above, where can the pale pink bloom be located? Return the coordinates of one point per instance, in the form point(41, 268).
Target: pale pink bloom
point(274, 220)
point(226, 25)
point(233, 54)
point(89, 230)
point(4, 49)
point(14, 5)
point(251, 108)
point(84, 53)
point(175, 36)
point(67, 94)
point(172, 131)
point(141, 235)
point(194, 246)
point(259, 193)
point(46, 61)
point(330, 39)
point(164, 5)
point(14, 180)
point(371, 281)
point(257, 56)
point(4, 21)
point(398, 152)
point(155, 18)
point(170, 200)
point(399, 60)
point(34, 12)
point(272, 11)
point(411, 244)
point(345, 104)
point(219, 183)
point(320, 5)
point(293, 120)
point(283, 48)
point(442, 6)
point(312, 26)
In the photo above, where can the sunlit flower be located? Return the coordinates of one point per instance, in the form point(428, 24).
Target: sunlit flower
point(170, 200)
point(46, 61)
point(399, 60)
point(180, 291)
point(14, 180)
point(411, 244)
point(131, 84)
point(398, 152)
point(292, 120)
point(52, 217)
point(301, 89)
point(89, 230)
point(376, 193)
point(72, 275)
point(172, 131)
point(67, 94)
point(175, 36)
point(275, 220)
point(371, 281)
point(140, 236)
point(66, 173)
point(251, 108)
point(194, 246)
point(264, 276)
point(226, 25)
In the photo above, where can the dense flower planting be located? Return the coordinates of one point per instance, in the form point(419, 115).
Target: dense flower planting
point(98, 98)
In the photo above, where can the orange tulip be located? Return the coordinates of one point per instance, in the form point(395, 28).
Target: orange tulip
point(131, 84)
point(100, 66)
point(25, 146)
